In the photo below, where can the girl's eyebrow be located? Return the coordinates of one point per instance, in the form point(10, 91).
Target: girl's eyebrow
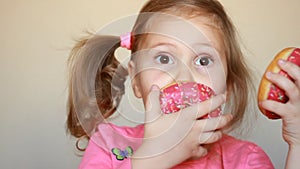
point(163, 44)
point(203, 44)
point(174, 46)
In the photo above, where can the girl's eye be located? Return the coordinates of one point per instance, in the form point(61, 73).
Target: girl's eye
point(164, 59)
point(203, 61)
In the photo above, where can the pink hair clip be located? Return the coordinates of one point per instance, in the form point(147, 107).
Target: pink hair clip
point(126, 40)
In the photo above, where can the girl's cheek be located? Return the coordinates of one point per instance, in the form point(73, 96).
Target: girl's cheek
point(219, 83)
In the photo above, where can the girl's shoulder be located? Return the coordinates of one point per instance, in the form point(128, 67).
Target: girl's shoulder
point(112, 129)
point(244, 152)
point(109, 136)
point(233, 142)
point(237, 147)
point(229, 153)
point(111, 145)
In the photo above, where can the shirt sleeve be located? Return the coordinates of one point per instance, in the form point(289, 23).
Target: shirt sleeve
point(258, 159)
point(96, 157)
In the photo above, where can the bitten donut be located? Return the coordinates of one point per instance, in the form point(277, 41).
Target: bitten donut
point(177, 96)
point(268, 90)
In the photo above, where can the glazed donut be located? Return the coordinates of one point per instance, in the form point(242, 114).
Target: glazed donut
point(177, 96)
point(269, 91)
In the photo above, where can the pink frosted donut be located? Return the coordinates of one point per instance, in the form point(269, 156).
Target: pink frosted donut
point(181, 95)
point(268, 90)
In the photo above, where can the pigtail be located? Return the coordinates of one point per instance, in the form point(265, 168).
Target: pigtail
point(96, 83)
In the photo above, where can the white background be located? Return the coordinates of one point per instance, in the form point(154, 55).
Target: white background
point(35, 40)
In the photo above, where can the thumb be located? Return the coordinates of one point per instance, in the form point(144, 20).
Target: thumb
point(152, 106)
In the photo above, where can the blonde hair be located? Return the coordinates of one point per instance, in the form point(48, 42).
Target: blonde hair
point(104, 88)
point(98, 51)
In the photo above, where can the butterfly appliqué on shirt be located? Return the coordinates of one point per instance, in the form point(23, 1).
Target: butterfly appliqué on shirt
point(122, 154)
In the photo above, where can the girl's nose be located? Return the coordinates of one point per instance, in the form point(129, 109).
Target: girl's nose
point(183, 72)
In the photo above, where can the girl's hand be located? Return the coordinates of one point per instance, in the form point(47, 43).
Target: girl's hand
point(290, 111)
point(170, 139)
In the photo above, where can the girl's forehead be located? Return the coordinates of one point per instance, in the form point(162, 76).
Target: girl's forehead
point(192, 31)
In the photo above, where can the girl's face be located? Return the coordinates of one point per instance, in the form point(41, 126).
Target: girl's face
point(179, 50)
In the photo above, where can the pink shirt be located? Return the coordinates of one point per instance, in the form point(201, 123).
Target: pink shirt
point(227, 153)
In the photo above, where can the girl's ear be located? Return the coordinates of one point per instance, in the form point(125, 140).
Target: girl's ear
point(134, 79)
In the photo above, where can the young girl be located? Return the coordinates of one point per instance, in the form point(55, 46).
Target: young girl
point(173, 42)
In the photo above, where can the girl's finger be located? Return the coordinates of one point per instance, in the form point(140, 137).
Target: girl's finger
point(213, 124)
point(199, 152)
point(210, 137)
point(199, 110)
point(274, 106)
point(292, 69)
point(290, 88)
